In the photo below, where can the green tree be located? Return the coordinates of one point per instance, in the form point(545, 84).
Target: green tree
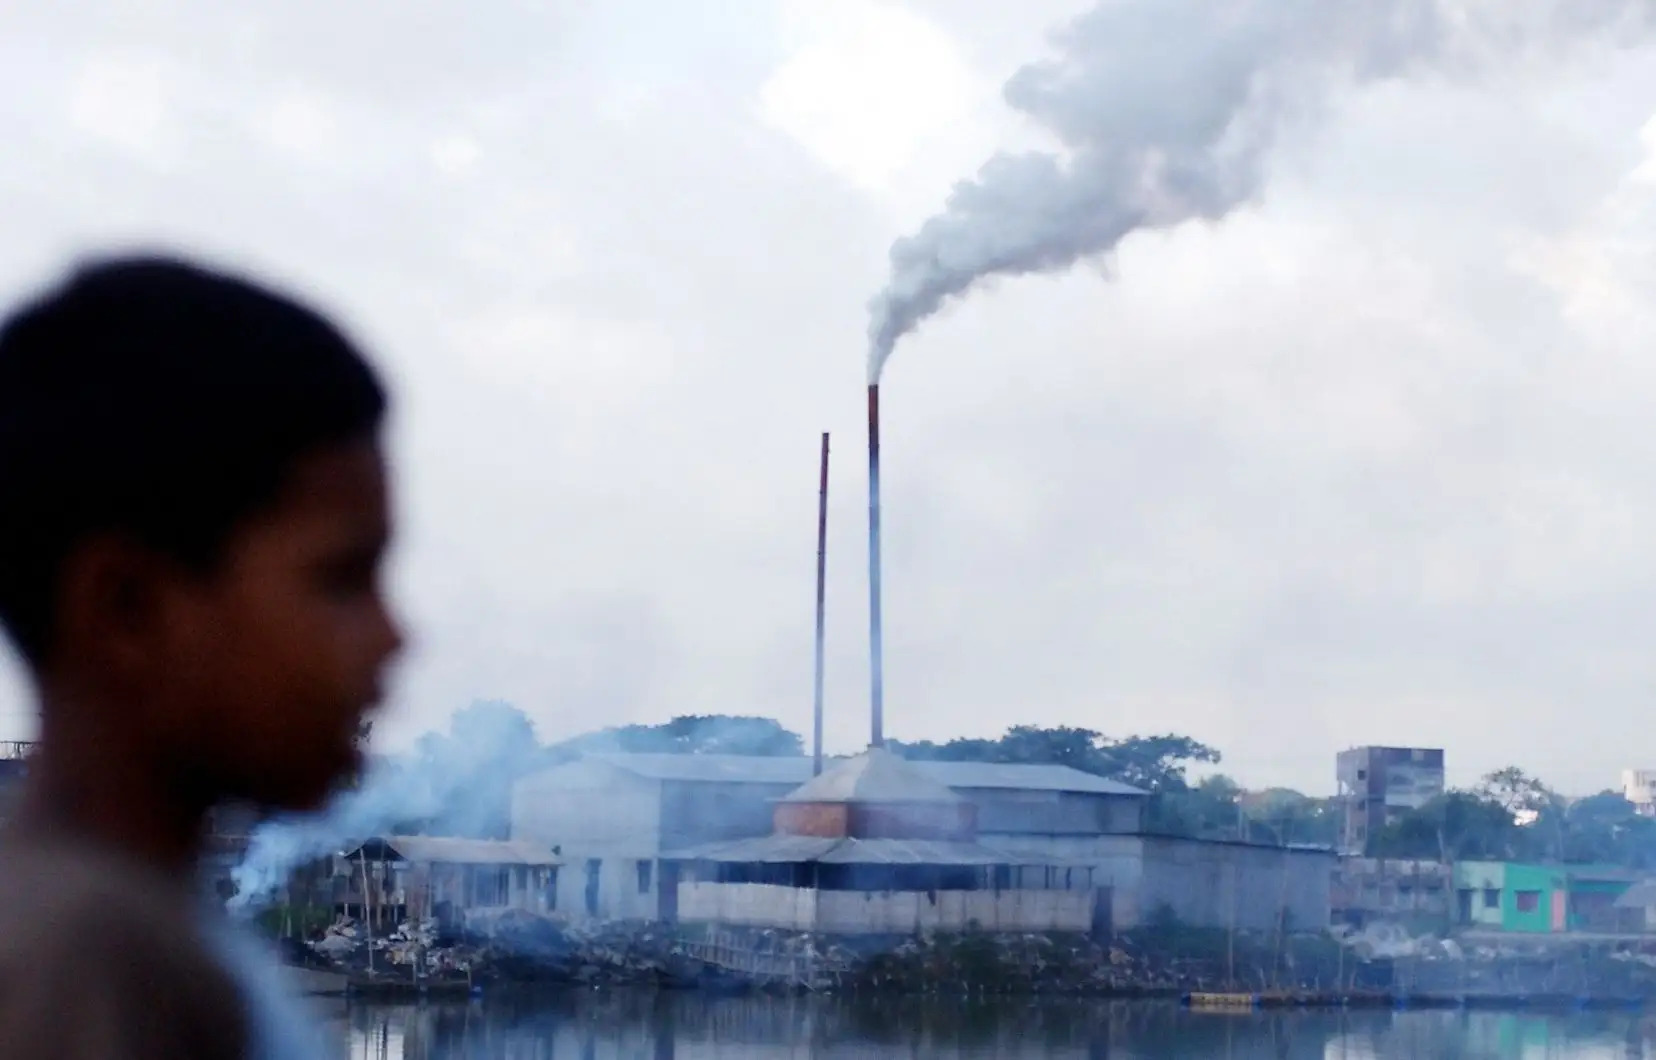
point(1285, 816)
point(1538, 811)
point(1607, 828)
point(1154, 763)
point(1455, 826)
point(691, 734)
point(1209, 810)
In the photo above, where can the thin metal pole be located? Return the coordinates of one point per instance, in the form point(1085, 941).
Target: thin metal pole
point(821, 609)
point(876, 659)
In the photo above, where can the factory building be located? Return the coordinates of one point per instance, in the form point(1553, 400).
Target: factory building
point(621, 823)
point(873, 847)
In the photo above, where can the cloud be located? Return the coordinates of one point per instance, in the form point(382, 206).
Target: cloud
point(865, 86)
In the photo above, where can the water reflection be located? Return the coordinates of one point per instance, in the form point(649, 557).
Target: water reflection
point(637, 1026)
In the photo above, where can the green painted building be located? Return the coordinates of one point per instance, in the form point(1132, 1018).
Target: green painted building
point(1537, 899)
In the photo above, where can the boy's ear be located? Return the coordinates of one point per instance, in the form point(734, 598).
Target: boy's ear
point(109, 604)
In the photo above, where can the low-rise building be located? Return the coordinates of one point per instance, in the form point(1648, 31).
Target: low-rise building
point(872, 847)
point(389, 879)
point(1199, 882)
point(1636, 908)
point(1537, 899)
point(1404, 891)
point(617, 818)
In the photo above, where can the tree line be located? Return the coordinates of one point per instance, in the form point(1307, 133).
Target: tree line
point(1508, 815)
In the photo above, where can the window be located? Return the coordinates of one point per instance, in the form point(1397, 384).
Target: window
point(550, 889)
point(1492, 898)
point(1529, 901)
point(644, 869)
point(491, 885)
point(593, 868)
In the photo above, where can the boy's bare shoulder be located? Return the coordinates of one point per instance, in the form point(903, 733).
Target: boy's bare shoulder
point(98, 958)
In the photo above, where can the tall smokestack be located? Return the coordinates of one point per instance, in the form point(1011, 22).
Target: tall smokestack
point(821, 608)
point(876, 660)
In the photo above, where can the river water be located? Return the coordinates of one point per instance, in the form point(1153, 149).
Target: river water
point(604, 1025)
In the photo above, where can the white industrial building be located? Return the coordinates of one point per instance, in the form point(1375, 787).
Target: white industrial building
point(622, 823)
point(873, 847)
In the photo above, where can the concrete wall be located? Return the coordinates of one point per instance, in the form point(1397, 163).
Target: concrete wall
point(1117, 863)
point(1531, 894)
point(906, 912)
point(591, 811)
point(749, 904)
point(1474, 880)
point(1235, 884)
point(1202, 883)
point(619, 896)
point(884, 912)
point(706, 812)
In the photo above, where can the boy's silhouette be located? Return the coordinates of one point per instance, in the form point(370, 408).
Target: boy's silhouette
point(193, 512)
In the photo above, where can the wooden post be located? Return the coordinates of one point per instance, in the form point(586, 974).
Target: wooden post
point(367, 909)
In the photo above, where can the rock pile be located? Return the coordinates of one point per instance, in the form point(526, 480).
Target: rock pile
point(512, 946)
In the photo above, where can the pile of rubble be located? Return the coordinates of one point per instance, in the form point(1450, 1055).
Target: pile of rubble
point(519, 946)
point(511, 946)
point(1007, 964)
point(414, 945)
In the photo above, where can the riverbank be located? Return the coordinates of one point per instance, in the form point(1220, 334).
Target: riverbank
point(1252, 970)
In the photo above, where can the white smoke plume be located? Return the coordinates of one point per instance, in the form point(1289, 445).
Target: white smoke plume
point(1166, 111)
point(457, 784)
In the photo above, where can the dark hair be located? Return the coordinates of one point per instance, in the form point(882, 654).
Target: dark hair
point(162, 401)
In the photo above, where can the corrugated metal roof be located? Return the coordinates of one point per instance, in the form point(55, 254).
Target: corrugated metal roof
point(450, 851)
point(1639, 896)
point(760, 769)
point(734, 769)
point(800, 849)
point(1011, 775)
point(876, 775)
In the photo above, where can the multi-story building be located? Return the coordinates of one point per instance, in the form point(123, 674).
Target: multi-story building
point(1377, 785)
point(1639, 788)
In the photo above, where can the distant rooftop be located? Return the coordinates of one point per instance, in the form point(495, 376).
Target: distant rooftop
point(736, 769)
point(789, 771)
point(876, 775)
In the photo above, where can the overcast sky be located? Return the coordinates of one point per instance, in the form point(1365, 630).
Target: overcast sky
point(1372, 461)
